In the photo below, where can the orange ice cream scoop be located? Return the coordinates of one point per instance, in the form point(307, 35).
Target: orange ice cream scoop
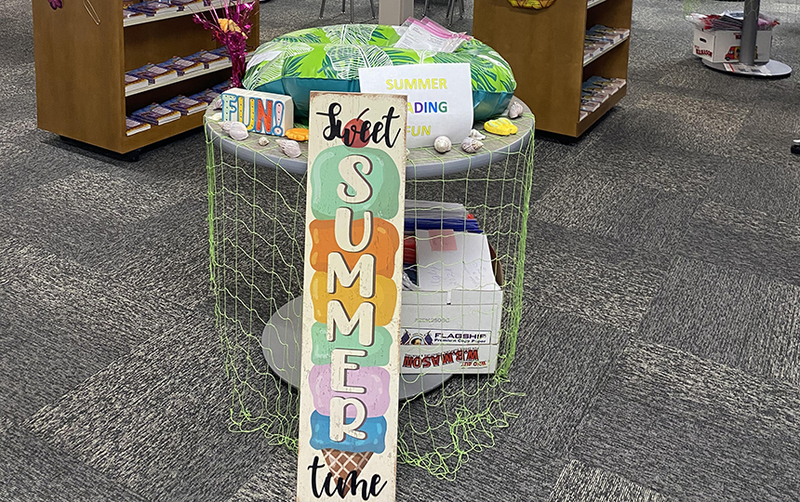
point(383, 244)
point(384, 299)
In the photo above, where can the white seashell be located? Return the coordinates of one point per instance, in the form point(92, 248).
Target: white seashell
point(289, 147)
point(216, 103)
point(226, 126)
point(442, 144)
point(471, 145)
point(263, 141)
point(515, 109)
point(216, 117)
point(474, 134)
point(238, 131)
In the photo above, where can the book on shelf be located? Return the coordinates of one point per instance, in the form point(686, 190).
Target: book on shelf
point(206, 96)
point(183, 3)
point(221, 51)
point(133, 126)
point(156, 114)
point(132, 82)
point(126, 13)
point(182, 66)
point(184, 105)
point(209, 59)
point(154, 7)
point(154, 74)
point(223, 86)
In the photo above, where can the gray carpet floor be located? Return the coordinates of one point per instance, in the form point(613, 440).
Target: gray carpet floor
point(660, 344)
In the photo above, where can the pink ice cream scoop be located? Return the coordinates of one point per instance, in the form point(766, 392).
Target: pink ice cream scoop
point(374, 379)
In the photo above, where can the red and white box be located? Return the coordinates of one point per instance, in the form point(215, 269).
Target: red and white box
point(720, 46)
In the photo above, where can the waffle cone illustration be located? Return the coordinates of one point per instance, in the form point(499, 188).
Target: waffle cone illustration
point(341, 463)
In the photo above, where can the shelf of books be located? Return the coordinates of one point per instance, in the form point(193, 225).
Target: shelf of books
point(599, 94)
point(152, 76)
point(600, 40)
point(148, 12)
point(566, 58)
point(98, 85)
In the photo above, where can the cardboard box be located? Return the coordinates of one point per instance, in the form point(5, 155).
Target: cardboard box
point(723, 46)
point(454, 331)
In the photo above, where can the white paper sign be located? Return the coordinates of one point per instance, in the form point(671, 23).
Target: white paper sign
point(439, 98)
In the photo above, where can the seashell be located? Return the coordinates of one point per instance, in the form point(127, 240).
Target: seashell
point(226, 126)
point(216, 103)
point(289, 147)
point(442, 144)
point(216, 117)
point(297, 134)
point(238, 131)
point(263, 141)
point(471, 145)
point(515, 109)
point(474, 134)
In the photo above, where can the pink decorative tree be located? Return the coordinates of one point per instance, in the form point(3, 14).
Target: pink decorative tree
point(230, 28)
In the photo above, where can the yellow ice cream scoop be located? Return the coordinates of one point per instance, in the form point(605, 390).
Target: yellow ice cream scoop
point(501, 127)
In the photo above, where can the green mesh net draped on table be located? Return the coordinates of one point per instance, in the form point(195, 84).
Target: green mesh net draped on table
point(256, 222)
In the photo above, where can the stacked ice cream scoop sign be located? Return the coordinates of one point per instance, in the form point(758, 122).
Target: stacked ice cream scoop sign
point(358, 272)
point(351, 304)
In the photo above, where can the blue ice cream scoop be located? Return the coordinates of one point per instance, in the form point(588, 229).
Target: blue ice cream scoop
point(375, 428)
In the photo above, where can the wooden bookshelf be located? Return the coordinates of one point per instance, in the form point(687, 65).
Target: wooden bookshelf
point(80, 88)
point(545, 50)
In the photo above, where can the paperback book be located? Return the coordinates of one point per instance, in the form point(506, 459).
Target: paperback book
point(126, 13)
point(222, 87)
point(181, 65)
point(133, 126)
point(152, 8)
point(208, 59)
point(154, 74)
point(206, 96)
point(156, 114)
point(132, 82)
point(184, 105)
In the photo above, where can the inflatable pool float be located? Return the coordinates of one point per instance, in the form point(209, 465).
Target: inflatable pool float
point(328, 59)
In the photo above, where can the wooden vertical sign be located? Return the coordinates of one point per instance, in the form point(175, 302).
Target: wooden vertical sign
point(351, 300)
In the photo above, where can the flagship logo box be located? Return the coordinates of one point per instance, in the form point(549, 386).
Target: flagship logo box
point(435, 326)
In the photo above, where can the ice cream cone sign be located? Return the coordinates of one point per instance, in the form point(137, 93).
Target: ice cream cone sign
point(351, 297)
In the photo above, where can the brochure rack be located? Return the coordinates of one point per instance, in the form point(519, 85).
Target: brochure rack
point(81, 55)
point(545, 49)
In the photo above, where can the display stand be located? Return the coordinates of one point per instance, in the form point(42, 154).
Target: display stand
point(281, 335)
point(747, 53)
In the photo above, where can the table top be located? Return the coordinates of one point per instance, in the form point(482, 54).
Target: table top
point(421, 162)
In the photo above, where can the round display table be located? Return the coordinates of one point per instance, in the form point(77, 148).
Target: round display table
point(280, 339)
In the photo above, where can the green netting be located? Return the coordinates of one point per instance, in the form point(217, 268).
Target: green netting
point(256, 228)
